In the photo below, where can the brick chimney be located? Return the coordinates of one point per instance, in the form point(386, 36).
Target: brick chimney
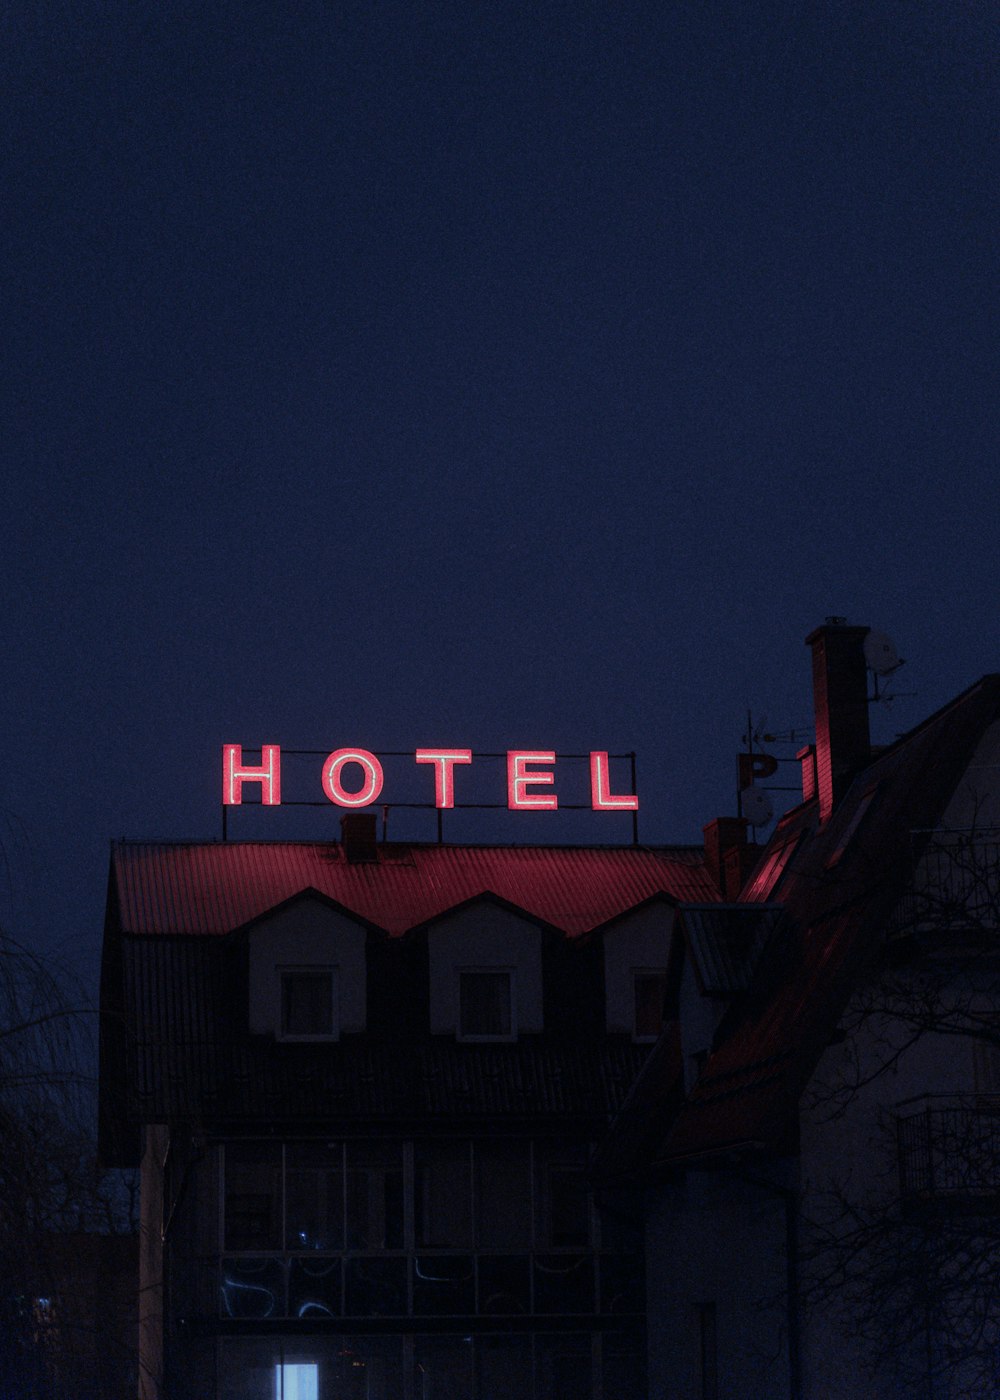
point(358, 836)
point(728, 854)
point(840, 701)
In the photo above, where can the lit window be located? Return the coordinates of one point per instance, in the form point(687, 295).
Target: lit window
point(485, 1005)
point(650, 988)
point(307, 1003)
point(296, 1381)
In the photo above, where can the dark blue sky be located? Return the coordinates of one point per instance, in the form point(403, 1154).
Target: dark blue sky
point(494, 375)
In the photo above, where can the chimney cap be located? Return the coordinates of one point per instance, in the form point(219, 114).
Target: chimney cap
point(840, 627)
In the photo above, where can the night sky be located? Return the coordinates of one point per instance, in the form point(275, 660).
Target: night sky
point(489, 375)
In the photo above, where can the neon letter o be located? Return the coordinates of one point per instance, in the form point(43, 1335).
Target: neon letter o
point(370, 788)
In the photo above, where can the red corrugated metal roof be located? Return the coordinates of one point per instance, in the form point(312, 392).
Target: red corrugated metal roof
point(212, 888)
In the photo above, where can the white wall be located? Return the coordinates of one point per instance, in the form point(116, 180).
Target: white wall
point(638, 942)
point(307, 933)
point(484, 935)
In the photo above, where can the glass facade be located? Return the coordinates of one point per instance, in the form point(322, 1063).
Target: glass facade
point(435, 1228)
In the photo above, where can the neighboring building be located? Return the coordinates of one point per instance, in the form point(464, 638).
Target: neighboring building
point(816, 1131)
point(364, 1082)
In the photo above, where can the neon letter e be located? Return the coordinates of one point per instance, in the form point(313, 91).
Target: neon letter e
point(519, 777)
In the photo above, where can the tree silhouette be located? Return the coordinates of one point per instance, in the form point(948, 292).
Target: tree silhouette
point(65, 1225)
point(902, 1240)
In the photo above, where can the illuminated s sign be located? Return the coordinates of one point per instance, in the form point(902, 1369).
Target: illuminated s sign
point(355, 778)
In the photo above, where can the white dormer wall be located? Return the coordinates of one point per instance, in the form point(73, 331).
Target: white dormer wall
point(639, 942)
point(484, 936)
point(308, 934)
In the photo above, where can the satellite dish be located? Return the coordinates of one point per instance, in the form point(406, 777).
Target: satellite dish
point(757, 806)
point(881, 655)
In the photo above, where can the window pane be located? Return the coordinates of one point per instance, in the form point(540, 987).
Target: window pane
point(624, 1368)
point(649, 992)
point(570, 1207)
point(562, 1196)
point(443, 1368)
point(564, 1283)
point(444, 1284)
point(367, 1368)
point(253, 1196)
point(307, 1002)
point(314, 1287)
point(296, 1381)
point(563, 1367)
point(622, 1283)
point(504, 1284)
point(314, 1196)
point(503, 1195)
point(246, 1368)
point(484, 1003)
point(374, 1196)
point(253, 1288)
point(443, 1194)
point(376, 1287)
point(503, 1368)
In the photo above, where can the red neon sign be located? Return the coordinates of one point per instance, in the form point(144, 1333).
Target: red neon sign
point(371, 784)
point(520, 776)
point(234, 775)
point(601, 798)
point(444, 776)
point(527, 769)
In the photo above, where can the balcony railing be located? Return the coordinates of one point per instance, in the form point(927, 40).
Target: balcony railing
point(949, 1151)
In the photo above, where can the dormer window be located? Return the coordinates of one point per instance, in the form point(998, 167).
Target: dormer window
point(486, 1004)
point(308, 1003)
point(649, 988)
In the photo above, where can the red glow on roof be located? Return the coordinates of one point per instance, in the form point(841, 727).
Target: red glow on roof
point(212, 888)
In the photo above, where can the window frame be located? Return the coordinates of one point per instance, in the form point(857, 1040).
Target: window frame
point(332, 972)
point(660, 974)
point(471, 1037)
